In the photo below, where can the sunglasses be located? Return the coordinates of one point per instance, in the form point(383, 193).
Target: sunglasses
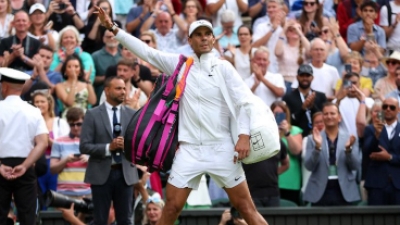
point(79, 124)
point(153, 200)
point(391, 107)
point(309, 3)
point(323, 32)
point(392, 62)
point(147, 41)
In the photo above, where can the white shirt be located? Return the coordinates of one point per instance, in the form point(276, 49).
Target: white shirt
point(325, 79)
point(394, 40)
point(168, 42)
point(263, 91)
point(390, 129)
point(204, 116)
point(242, 62)
point(229, 4)
point(20, 123)
point(261, 30)
point(110, 114)
point(142, 97)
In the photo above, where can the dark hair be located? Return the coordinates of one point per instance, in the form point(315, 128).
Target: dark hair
point(245, 26)
point(107, 82)
point(369, 3)
point(74, 114)
point(350, 75)
point(398, 68)
point(64, 67)
point(47, 48)
point(327, 104)
point(317, 17)
point(126, 62)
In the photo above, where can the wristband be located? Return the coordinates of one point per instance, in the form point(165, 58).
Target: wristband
point(362, 102)
point(282, 38)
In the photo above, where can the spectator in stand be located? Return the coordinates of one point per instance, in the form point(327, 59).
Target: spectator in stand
point(363, 33)
point(332, 157)
point(215, 8)
point(39, 28)
point(6, 17)
point(257, 9)
point(63, 14)
point(267, 33)
point(57, 128)
point(290, 181)
point(168, 39)
point(395, 93)
point(356, 61)
point(150, 39)
point(94, 33)
point(291, 52)
point(142, 77)
point(69, 216)
point(16, 51)
point(153, 209)
point(318, 122)
point(227, 33)
point(337, 47)
point(137, 16)
point(262, 178)
point(70, 43)
point(348, 12)
point(264, 84)
point(383, 150)
point(76, 90)
point(66, 160)
point(311, 18)
point(389, 21)
point(353, 104)
point(109, 55)
point(373, 67)
point(325, 76)
point(240, 57)
point(135, 98)
point(387, 84)
point(304, 102)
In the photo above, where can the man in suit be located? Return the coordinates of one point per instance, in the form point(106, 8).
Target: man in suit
point(111, 176)
point(303, 102)
point(333, 158)
point(383, 149)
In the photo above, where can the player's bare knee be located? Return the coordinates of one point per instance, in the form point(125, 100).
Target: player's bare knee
point(172, 208)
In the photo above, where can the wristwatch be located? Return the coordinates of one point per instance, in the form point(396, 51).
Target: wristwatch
point(114, 27)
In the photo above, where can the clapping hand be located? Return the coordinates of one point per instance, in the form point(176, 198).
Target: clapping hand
point(317, 137)
point(383, 155)
point(350, 142)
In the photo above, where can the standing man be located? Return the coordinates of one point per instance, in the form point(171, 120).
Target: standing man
point(23, 140)
point(213, 89)
point(332, 157)
point(303, 102)
point(110, 175)
point(384, 152)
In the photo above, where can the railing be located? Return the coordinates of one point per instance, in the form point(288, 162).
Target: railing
point(352, 215)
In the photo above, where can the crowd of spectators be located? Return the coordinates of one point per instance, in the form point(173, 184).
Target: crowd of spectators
point(298, 56)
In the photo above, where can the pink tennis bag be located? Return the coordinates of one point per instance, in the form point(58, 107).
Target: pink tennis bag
point(151, 137)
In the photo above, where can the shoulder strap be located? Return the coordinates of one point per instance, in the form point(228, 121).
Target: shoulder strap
point(389, 13)
point(172, 80)
point(180, 88)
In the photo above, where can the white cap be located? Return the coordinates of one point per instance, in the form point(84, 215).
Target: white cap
point(199, 23)
point(37, 6)
point(13, 76)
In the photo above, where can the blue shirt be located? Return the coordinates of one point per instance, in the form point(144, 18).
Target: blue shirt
point(263, 9)
point(53, 76)
point(225, 40)
point(334, 59)
point(356, 30)
point(135, 13)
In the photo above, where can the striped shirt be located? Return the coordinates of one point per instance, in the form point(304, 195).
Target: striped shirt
point(71, 179)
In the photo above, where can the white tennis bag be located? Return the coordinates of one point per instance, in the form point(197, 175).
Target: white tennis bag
point(264, 132)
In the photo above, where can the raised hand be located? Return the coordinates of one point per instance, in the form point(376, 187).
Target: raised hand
point(104, 18)
point(351, 141)
point(317, 137)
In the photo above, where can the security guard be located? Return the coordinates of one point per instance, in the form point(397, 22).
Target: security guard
point(23, 140)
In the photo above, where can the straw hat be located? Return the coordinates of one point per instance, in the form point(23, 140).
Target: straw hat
point(394, 56)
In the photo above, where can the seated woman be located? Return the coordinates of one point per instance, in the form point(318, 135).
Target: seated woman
point(69, 43)
point(76, 90)
point(153, 210)
point(7, 18)
point(311, 18)
point(40, 28)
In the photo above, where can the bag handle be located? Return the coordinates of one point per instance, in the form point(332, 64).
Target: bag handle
point(172, 81)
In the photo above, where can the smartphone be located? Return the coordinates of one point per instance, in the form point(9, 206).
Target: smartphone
point(370, 38)
point(279, 117)
point(234, 213)
point(62, 6)
point(77, 155)
point(347, 68)
point(347, 83)
point(381, 116)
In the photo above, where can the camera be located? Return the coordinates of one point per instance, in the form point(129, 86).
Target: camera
point(54, 199)
point(62, 6)
point(234, 213)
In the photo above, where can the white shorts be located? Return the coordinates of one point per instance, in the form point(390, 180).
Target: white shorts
point(192, 161)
